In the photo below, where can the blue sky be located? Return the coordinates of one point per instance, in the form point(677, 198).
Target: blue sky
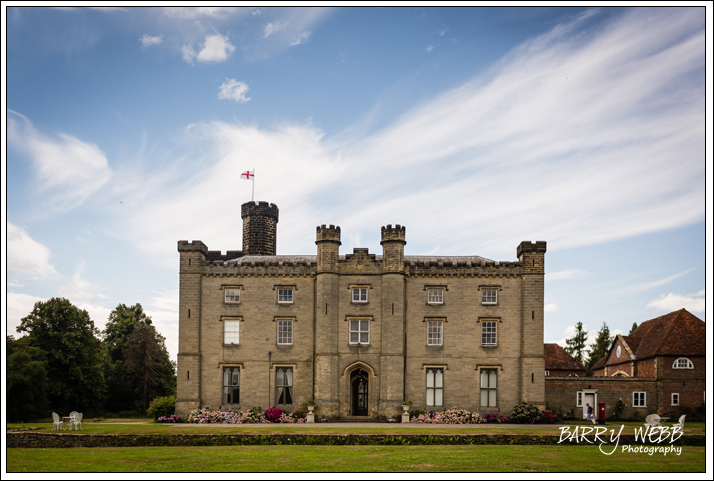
point(476, 128)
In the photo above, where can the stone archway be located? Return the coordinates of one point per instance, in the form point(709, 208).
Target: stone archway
point(360, 389)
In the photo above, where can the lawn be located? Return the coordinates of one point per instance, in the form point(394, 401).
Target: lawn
point(351, 459)
point(143, 426)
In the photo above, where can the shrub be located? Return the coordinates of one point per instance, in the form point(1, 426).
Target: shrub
point(161, 406)
point(273, 414)
point(452, 416)
point(550, 417)
point(526, 413)
point(171, 419)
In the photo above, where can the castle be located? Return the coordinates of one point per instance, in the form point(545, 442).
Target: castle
point(359, 334)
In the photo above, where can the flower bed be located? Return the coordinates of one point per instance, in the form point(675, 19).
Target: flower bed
point(452, 416)
point(174, 418)
point(252, 416)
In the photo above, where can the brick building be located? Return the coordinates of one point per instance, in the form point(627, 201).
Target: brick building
point(659, 368)
point(358, 333)
point(558, 362)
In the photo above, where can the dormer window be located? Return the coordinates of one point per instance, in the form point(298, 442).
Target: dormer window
point(683, 363)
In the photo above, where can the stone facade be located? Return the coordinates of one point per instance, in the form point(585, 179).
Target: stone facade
point(358, 333)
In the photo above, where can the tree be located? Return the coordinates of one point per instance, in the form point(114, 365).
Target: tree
point(603, 341)
point(632, 329)
point(148, 365)
point(122, 381)
point(26, 389)
point(575, 346)
point(67, 337)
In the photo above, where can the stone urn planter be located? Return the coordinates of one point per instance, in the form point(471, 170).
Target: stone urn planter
point(311, 408)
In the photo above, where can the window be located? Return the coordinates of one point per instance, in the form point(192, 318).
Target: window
point(639, 399)
point(232, 296)
point(572, 374)
point(285, 332)
point(359, 294)
point(285, 296)
point(435, 296)
point(231, 331)
point(434, 387)
point(284, 385)
point(547, 373)
point(675, 399)
point(231, 385)
point(488, 387)
point(488, 333)
point(579, 400)
point(682, 363)
point(489, 296)
point(359, 331)
point(435, 333)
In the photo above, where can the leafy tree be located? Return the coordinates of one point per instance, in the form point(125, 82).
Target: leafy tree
point(120, 326)
point(26, 389)
point(576, 345)
point(148, 365)
point(603, 341)
point(67, 337)
point(632, 329)
point(122, 381)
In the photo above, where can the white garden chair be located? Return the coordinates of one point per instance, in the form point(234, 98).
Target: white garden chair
point(680, 423)
point(76, 421)
point(653, 420)
point(57, 422)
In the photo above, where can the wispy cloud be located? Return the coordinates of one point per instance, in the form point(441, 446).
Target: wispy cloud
point(529, 125)
point(26, 256)
point(659, 282)
point(300, 38)
point(68, 169)
point(79, 287)
point(429, 48)
point(147, 40)
point(566, 274)
point(272, 27)
point(673, 302)
point(193, 13)
point(19, 306)
point(234, 90)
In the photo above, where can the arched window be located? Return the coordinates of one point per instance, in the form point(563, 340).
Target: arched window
point(572, 374)
point(682, 363)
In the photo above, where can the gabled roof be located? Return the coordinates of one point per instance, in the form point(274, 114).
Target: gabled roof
point(558, 358)
point(678, 333)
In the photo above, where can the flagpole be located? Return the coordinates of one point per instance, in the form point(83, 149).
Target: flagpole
point(252, 196)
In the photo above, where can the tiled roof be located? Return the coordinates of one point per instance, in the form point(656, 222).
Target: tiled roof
point(600, 363)
point(678, 333)
point(558, 358)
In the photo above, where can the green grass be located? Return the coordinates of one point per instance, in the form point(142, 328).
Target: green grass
point(138, 427)
point(350, 459)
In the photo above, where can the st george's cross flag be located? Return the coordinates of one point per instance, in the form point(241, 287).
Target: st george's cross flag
point(248, 175)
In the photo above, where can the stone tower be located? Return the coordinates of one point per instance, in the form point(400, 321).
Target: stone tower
point(393, 318)
point(326, 321)
point(532, 258)
point(260, 225)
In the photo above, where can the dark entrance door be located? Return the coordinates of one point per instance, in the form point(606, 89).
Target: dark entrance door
point(360, 393)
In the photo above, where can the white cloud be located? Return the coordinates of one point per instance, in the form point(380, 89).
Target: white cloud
point(673, 302)
point(192, 13)
point(27, 256)
point(550, 307)
point(216, 48)
point(68, 169)
point(19, 306)
point(256, 12)
point(272, 27)
point(566, 274)
point(79, 287)
point(234, 90)
point(147, 40)
point(442, 32)
point(529, 125)
point(429, 48)
point(300, 38)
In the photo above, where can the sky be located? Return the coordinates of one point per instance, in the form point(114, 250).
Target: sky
point(127, 130)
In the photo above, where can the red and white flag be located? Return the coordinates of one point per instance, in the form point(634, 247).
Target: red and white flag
point(248, 175)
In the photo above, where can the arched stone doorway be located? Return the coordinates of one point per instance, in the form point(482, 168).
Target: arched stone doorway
point(359, 392)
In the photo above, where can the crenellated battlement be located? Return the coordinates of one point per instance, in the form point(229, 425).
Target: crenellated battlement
point(396, 233)
point(531, 247)
point(421, 266)
point(331, 233)
point(195, 246)
point(261, 208)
